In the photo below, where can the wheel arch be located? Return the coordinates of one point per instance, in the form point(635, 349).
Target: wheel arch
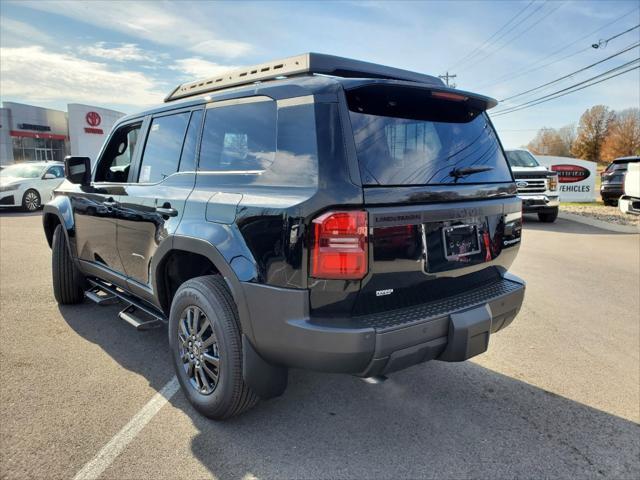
point(198, 248)
point(58, 212)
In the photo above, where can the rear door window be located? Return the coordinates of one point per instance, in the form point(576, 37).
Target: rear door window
point(405, 137)
point(164, 144)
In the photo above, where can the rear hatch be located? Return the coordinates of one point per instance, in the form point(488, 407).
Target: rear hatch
point(443, 215)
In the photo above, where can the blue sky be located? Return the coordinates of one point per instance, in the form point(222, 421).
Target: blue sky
point(127, 55)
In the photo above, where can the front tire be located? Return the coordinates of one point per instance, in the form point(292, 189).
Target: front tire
point(548, 216)
point(206, 348)
point(31, 200)
point(68, 283)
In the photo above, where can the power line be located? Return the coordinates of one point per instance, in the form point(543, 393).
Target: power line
point(511, 76)
point(604, 42)
point(635, 45)
point(570, 89)
point(487, 42)
point(540, 19)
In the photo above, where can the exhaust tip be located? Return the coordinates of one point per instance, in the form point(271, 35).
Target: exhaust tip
point(375, 380)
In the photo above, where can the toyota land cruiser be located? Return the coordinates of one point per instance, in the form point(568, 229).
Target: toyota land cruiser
point(314, 212)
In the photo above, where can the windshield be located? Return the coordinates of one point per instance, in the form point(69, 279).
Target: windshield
point(521, 158)
point(21, 171)
point(404, 136)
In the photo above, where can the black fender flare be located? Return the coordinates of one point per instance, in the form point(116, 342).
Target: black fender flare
point(61, 208)
point(208, 250)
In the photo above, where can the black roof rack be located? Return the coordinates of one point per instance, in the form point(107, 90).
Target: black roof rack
point(307, 63)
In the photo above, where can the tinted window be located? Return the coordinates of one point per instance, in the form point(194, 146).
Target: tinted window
point(188, 156)
point(162, 150)
point(120, 151)
point(239, 138)
point(405, 137)
point(57, 171)
point(521, 158)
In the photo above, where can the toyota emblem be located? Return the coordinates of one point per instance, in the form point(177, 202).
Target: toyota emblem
point(93, 118)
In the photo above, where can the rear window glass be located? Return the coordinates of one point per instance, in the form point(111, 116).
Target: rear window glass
point(405, 137)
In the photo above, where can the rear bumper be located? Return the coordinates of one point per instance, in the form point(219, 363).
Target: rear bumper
point(452, 329)
point(532, 203)
point(612, 190)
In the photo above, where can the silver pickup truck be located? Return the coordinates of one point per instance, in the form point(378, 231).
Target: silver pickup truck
point(537, 185)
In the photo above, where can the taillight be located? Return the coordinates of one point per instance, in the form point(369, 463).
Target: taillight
point(339, 245)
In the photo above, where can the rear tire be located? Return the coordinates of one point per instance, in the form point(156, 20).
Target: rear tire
point(68, 282)
point(610, 203)
point(207, 351)
point(548, 216)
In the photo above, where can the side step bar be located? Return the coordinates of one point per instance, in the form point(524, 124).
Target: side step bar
point(93, 294)
point(131, 313)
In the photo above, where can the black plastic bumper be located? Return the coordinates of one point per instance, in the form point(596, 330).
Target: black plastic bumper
point(452, 329)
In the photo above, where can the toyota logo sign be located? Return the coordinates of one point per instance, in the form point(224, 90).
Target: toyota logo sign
point(93, 118)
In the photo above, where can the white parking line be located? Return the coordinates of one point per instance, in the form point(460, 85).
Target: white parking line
point(120, 440)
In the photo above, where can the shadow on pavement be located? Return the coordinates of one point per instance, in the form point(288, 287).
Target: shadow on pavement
point(18, 212)
point(433, 420)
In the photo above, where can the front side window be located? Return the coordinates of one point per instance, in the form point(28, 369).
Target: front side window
point(161, 154)
point(115, 163)
point(239, 138)
point(57, 171)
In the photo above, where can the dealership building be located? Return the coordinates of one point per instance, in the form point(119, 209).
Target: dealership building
point(30, 133)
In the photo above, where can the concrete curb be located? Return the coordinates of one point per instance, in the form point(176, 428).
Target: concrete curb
point(612, 227)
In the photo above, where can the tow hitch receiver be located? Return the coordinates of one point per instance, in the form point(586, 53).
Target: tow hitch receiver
point(469, 333)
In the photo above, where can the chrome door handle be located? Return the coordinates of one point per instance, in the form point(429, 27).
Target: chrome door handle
point(168, 212)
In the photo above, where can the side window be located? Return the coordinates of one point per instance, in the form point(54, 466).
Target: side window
point(120, 151)
point(188, 156)
point(239, 138)
point(161, 153)
point(57, 171)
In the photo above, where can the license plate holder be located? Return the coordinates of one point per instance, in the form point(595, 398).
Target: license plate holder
point(460, 241)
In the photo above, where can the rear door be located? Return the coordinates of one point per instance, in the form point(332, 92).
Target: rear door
point(151, 206)
point(440, 197)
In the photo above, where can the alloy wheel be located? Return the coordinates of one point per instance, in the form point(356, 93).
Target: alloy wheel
point(31, 201)
point(198, 349)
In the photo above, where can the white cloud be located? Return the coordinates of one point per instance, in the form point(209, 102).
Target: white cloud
point(35, 74)
point(196, 68)
point(122, 52)
point(162, 23)
point(15, 32)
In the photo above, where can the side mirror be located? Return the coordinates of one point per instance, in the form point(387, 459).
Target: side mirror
point(78, 170)
point(48, 176)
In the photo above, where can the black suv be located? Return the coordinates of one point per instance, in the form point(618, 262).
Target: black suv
point(314, 212)
point(612, 186)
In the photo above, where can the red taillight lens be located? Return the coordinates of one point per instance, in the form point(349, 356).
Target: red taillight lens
point(339, 245)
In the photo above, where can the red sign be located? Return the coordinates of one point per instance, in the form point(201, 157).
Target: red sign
point(93, 130)
point(571, 173)
point(93, 118)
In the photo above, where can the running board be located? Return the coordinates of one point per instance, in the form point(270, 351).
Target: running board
point(131, 314)
point(93, 294)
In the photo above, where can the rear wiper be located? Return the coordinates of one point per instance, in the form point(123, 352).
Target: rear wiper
point(458, 173)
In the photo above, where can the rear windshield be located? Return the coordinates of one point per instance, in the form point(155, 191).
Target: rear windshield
point(521, 158)
point(404, 136)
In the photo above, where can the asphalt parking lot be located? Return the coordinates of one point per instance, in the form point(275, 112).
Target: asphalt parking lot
point(557, 395)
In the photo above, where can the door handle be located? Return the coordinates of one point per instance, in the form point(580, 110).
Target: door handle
point(167, 211)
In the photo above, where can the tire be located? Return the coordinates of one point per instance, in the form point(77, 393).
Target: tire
point(68, 282)
point(218, 396)
point(610, 203)
point(548, 216)
point(31, 200)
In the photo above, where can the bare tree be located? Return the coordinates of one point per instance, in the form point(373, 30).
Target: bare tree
point(624, 135)
point(592, 130)
point(568, 136)
point(548, 142)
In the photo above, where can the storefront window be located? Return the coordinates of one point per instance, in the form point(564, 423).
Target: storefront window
point(27, 149)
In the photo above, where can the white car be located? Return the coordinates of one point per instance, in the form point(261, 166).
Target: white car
point(30, 184)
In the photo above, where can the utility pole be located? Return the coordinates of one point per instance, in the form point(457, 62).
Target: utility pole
point(446, 78)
